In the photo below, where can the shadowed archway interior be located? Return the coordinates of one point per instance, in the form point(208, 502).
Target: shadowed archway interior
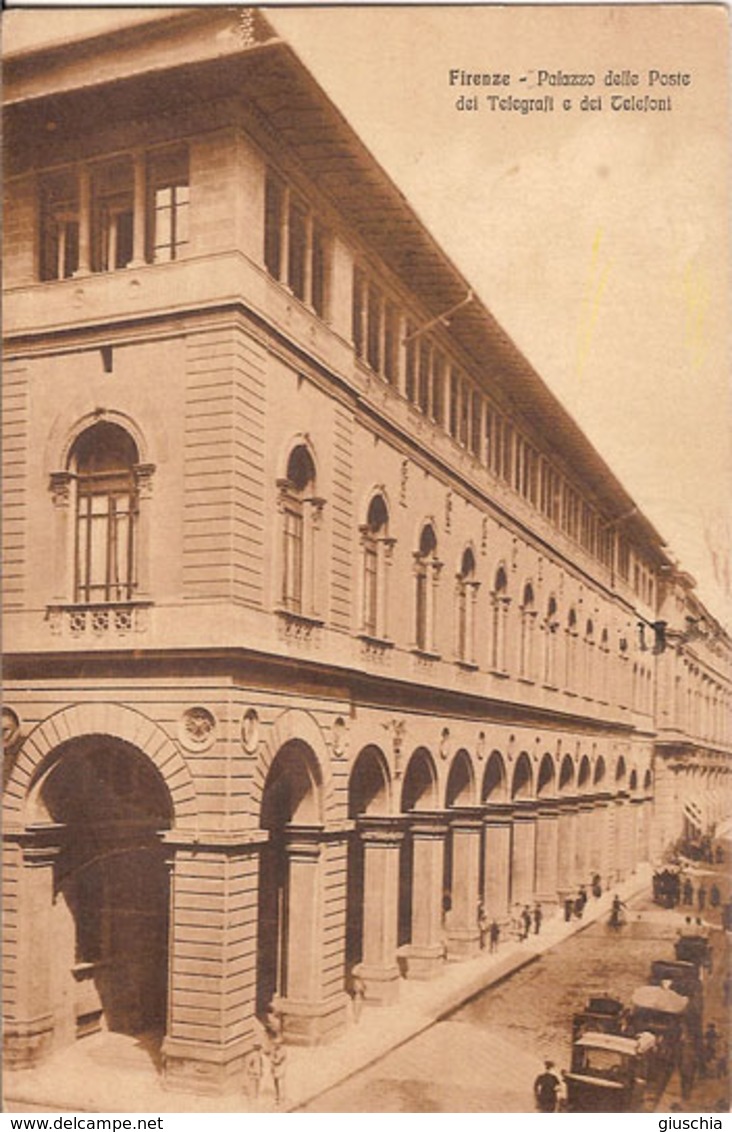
point(291, 800)
point(109, 953)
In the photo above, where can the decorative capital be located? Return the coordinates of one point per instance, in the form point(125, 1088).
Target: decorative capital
point(61, 488)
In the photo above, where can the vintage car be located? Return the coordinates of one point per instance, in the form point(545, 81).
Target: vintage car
point(683, 978)
point(659, 1010)
point(609, 1073)
point(602, 1014)
point(694, 949)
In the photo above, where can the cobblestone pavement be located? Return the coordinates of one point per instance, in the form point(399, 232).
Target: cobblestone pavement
point(485, 1056)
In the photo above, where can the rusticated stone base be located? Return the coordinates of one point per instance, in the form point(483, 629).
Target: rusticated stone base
point(381, 983)
point(194, 1067)
point(312, 1023)
point(28, 1042)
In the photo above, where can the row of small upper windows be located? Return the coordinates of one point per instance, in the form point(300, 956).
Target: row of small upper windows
point(447, 397)
point(111, 214)
point(104, 463)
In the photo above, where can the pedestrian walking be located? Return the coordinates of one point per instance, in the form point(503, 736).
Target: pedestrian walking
point(546, 1088)
point(358, 996)
point(597, 886)
point(254, 1071)
point(278, 1065)
point(579, 907)
point(494, 934)
point(616, 913)
point(526, 921)
point(538, 916)
point(568, 909)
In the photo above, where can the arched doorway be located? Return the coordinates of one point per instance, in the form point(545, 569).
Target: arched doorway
point(459, 793)
point(419, 792)
point(290, 801)
point(109, 920)
point(523, 832)
point(368, 796)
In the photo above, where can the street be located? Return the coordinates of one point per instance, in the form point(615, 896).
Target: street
point(485, 1056)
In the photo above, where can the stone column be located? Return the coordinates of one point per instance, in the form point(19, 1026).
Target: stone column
point(497, 863)
point(30, 1022)
point(621, 835)
point(635, 822)
point(463, 936)
point(425, 952)
point(567, 837)
point(212, 951)
point(547, 849)
point(381, 840)
point(523, 853)
point(312, 1007)
point(602, 839)
point(582, 843)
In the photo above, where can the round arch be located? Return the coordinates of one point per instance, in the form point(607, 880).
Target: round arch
point(584, 775)
point(500, 578)
point(522, 780)
point(419, 790)
point(291, 445)
point(111, 720)
point(528, 594)
point(566, 775)
point(546, 778)
point(292, 792)
point(369, 784)
point(427, 521)
point(494, 787)
point(371, 493)
point(294, 725)
point(460, 790)
point(63, 438)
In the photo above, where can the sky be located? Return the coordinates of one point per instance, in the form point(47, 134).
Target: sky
point(599, 239)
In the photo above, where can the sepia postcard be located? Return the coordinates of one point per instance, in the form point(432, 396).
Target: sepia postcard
point(367, 718)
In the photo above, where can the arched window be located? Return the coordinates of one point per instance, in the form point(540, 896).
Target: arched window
point(376, 549)
point(551, 626)
point(588, 675)
point(467, 590)
point(571, 652)
point(427, 570)
point(103, 463)
point(301, 511)
point(501, 602)
point(528, 620)
point(604, 675)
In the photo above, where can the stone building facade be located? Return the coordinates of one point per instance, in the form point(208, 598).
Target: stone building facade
point(324, 621)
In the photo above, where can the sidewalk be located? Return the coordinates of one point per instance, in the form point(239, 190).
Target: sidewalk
point(113, 1073)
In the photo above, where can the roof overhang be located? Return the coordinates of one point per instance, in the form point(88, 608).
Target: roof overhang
point(196, 57)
